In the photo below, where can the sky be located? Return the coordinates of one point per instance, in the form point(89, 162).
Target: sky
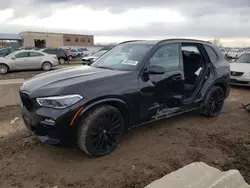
point(116, 20)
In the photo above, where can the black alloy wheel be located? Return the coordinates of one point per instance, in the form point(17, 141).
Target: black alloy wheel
point(101, 131)
point(107, 132)
point(215, 101)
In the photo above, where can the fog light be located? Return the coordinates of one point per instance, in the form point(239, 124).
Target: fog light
point(49, 122)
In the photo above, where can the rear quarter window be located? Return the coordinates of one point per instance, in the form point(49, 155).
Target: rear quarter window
point(211, 53)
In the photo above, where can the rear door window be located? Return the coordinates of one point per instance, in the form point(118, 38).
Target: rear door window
point(211, 53)
point(35, 54)
point(50, 51)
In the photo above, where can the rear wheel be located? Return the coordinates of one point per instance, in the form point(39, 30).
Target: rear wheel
point(3, 69)
point(61, 61)
point(214, 102)
point(70, 58)
point(100, 131)
point(46, 66)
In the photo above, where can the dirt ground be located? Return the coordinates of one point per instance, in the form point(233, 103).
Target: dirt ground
point(145, 153)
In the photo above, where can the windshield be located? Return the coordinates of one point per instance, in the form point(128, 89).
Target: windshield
point(123, 57)
point(100, 53)
point(245, 58)
point(73, 50)
point(80, 49)
point(10, 55)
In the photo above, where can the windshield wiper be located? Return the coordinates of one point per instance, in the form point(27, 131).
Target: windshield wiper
point(102, 67)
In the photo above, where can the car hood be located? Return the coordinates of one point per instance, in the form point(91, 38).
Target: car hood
point(240, 67)
point(89, 57)
point(64, 81)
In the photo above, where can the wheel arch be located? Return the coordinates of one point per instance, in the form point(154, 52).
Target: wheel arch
point(115, 102)
point(222, 85)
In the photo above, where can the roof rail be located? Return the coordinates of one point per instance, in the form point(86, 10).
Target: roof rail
point(184, 39)
point(129, 41)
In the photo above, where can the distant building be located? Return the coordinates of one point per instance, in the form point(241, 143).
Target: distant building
point(54, 40)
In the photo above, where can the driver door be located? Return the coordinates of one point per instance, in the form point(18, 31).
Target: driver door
point(162, 93)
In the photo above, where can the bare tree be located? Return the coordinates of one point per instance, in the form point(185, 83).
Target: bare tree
point(216, 42)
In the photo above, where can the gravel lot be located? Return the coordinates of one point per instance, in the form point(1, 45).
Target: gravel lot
point(145, 153)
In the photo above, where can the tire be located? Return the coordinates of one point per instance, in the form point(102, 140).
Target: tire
point(46, 66)
point(100, 131)
point(61, 61)
point(85, 62)
point(3, 69)
point(70, 58)
point(214, 102)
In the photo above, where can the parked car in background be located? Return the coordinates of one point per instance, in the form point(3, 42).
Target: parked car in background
point(235, 53)
point(27, 59)
point(132, 84)
point(6, 51)
point(223, 51)
point(71, 54)
point(59, 52)
point(84, 52)
point(88, 60)
point(247, 49)
point(240, 70)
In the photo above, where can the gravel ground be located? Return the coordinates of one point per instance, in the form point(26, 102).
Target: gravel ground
point(145, 153)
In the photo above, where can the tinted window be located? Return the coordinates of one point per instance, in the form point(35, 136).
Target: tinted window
point(61, 52)
point(35, 54)
point(49, 51)
point(4, 51)
point(22, 55)
point(167, 56)
point(211, 53)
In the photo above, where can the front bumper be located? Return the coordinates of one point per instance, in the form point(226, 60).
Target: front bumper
point(50, 125)
point(240, 80)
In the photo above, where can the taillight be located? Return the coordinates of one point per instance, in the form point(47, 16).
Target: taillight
point(55, 57)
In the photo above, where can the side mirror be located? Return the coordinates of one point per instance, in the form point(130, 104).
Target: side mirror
point(13, 58)
point(155, 69)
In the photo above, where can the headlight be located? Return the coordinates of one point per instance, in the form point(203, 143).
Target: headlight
point(247, 74)
point(59, 102)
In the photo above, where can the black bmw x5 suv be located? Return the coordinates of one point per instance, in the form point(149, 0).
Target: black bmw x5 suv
point(136, 82)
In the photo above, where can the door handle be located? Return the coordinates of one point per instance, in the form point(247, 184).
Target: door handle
point(177, 77)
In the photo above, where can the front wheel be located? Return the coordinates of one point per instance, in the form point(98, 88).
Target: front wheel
point(3, 69)
point(100, 131)
point(214, 102)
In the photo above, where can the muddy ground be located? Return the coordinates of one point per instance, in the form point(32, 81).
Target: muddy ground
point(145, 153)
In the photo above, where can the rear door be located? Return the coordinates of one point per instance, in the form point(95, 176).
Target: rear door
point(35, 59)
